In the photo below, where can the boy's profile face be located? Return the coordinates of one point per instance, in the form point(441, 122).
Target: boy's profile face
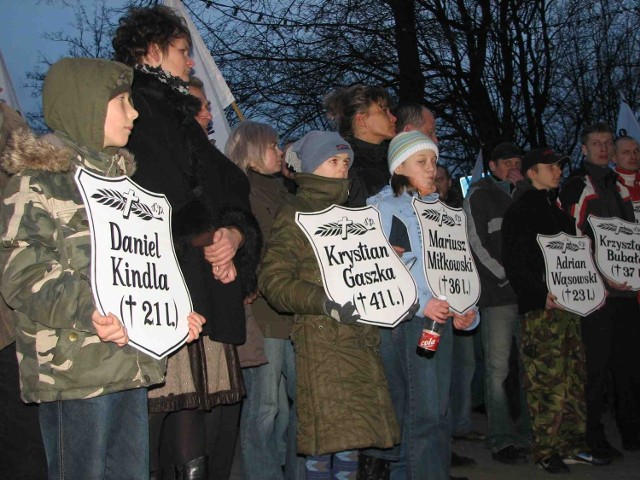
point(119, 121)
point(545, 176)
point(334, 167)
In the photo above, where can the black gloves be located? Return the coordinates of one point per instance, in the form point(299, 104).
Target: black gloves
point(346, 313)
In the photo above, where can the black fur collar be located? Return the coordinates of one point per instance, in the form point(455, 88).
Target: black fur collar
point(186, 106)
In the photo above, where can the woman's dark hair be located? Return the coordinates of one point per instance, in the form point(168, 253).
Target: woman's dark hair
point(343, 104)
point(400, 183)
point(141, 27)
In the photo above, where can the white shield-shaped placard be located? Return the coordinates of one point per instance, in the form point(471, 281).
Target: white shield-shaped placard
point(571, 274)
point(636, 211)
point(358, 264)
point(617, 249)
point(448, 263)
point(134, 270)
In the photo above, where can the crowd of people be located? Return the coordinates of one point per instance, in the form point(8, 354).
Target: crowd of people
point(274, 369)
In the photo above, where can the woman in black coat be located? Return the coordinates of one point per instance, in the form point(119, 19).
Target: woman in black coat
point(213, 242)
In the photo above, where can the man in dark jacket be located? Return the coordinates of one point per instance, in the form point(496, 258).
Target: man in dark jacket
point(485, 204)
point(610, 335)
point(552, 355)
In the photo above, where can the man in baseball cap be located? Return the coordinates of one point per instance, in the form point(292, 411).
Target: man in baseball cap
point(552, 353)
point(485, 205)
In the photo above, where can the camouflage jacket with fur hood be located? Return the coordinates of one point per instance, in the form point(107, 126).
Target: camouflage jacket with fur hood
point(46, 245)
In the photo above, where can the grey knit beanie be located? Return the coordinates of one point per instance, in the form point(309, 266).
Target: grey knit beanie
point(314, 149)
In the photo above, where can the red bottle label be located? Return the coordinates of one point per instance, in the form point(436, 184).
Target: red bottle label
point(429, 340)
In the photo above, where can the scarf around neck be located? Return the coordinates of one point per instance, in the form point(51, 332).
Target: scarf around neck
point(165, 77)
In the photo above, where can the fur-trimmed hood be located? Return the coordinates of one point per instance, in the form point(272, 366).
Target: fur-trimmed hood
point(25, 151)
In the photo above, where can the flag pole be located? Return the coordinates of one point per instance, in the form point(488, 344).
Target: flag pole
point(236, 109)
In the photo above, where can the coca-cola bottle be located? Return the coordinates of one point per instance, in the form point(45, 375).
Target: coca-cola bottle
point(430, 338)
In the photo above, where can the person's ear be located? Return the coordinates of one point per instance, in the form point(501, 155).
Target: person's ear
point(583, 149)
point(399, 169)
point(154, 55)
point(492, 165)
point(360, 119)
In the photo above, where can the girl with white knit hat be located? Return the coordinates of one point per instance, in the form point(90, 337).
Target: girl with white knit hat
point(419, 385)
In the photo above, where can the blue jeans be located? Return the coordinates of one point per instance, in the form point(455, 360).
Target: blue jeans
point(268, 421)
point(500, 325)
point(106, 437)
point(419, 388)
point(464, 365)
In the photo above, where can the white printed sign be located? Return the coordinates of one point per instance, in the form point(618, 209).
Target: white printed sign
point(134, 270)
point(358, 264)
point(448, 262)
point(617, 249)
point(571, 274)
point(636, 211)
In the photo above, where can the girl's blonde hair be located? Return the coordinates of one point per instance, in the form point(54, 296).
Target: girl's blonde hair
point(248, 143)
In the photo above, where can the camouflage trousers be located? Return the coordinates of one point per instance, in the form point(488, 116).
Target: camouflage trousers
point(554, 379)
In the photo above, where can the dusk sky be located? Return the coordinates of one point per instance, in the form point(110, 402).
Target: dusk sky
point(23, 24)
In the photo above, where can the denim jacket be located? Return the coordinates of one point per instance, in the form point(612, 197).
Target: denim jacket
point(401, 208)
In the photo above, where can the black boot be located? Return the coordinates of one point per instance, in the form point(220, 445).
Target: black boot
point(196, 469)
point(372, 468)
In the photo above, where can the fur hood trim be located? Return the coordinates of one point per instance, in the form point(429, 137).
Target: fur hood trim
point(25, 151)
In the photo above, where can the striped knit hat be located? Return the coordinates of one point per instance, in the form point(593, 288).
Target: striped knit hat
point(406, 144)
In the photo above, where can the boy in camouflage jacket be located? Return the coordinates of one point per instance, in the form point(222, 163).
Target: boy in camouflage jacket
point(93, 414)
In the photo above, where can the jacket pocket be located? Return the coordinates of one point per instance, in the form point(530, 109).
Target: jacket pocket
point(67, 348)
point(74, 237)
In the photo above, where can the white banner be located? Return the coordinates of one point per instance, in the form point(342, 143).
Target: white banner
point(448, 262)
point(627, 122)
point(617, 249)
point(358, 264)
point(571, 273)
point(215, 86)
point(134, 270)
point(636, 211)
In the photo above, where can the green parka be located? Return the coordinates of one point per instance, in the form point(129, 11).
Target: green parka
point(343, 401)
point(45, 252)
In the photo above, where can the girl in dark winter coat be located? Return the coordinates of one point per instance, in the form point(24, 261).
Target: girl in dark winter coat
point(212, 245)
point(343, 403)
point(362, 115)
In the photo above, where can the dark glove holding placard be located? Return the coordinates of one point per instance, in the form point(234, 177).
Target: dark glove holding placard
point(346, 313)
point(412, 312)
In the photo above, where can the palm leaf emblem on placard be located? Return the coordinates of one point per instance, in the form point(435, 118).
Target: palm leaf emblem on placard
point(114, 199)
point(438, 217)
point(564, 246)
point(335, 228)
point(612, 227)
